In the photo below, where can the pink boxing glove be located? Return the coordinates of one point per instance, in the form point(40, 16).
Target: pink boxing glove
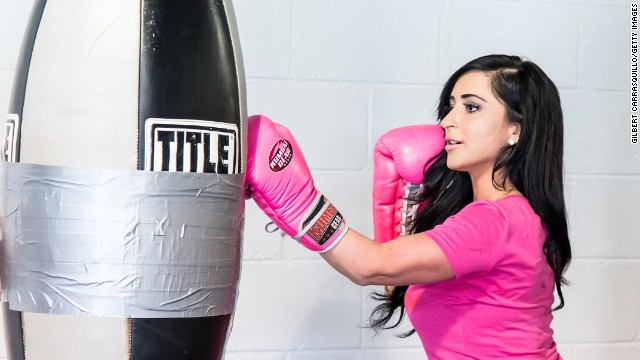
point(280, 182)
point(400, 156)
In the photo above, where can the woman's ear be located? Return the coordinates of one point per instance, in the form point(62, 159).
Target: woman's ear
point(514, 131)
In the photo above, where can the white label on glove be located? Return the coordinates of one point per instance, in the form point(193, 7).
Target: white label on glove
point(322, 222)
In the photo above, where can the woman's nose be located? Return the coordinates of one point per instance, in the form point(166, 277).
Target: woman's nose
point(448, 120)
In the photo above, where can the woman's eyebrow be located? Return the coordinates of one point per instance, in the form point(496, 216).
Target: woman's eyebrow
point(464, 96)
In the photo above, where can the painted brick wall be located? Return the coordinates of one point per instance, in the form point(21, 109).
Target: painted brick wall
point(339, 73)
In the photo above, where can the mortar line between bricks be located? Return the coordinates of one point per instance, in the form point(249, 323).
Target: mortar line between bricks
point(540, 2)
point(603, 175)
point(369, 149)
point(600, 343)
point(573, 176)
point(637, 338)
point(287, 352)
point(326, 171)
point(618, 260)
point(346, 82)
point(261, 79)
point(292, 15)
point(579, 42)
point(358, 170)
point(584, 89)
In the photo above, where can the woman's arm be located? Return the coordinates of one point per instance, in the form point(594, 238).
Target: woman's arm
point(412, 259)
point(280, 182)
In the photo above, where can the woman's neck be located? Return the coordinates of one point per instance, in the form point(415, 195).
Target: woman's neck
point(484, 189)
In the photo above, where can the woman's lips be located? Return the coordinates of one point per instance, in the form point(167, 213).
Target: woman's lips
point(449, 145)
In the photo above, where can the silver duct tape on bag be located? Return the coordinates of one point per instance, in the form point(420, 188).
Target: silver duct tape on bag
point(120, 243)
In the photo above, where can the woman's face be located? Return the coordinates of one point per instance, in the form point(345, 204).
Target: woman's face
point(476, 127)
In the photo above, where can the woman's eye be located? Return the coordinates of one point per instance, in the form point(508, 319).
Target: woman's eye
point(471, 107)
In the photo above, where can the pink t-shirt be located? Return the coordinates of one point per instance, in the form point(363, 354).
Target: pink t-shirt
point(499, 304)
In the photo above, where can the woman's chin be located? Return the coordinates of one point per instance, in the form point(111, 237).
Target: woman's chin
point(454, 166)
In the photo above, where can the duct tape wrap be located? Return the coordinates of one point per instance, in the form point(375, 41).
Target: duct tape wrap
point(120, 243)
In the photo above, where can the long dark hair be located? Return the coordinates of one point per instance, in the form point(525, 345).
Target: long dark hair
point(534, 166)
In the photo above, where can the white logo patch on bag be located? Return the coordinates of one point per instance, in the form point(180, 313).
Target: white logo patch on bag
point(191, 146)
point(8, 149)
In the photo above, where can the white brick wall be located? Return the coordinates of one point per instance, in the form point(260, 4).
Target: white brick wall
point(339, 73)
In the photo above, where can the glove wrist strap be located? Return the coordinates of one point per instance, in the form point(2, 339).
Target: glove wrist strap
point(322, 227)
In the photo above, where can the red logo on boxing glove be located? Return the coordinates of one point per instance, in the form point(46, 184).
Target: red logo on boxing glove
point(281, 155)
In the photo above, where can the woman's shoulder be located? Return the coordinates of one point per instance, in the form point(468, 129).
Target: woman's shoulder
point(509, 201)
point(513, 207)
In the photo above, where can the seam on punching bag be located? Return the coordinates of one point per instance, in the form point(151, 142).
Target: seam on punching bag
point(14, 322)
point(137, 123)
point(22, 71)
point(128, 349)
point(240, 76)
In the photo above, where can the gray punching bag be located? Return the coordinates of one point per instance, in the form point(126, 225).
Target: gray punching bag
point(121, 185)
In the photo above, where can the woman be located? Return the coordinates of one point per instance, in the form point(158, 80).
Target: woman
point(491, 244)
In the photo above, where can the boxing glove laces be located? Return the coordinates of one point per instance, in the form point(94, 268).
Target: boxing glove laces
point(279, 180)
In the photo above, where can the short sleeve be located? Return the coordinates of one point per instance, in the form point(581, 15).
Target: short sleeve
point(473, 238)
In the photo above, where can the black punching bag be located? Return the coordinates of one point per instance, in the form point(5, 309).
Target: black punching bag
point(122, 181)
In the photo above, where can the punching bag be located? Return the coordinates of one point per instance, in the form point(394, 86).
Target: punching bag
point(122, 176)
